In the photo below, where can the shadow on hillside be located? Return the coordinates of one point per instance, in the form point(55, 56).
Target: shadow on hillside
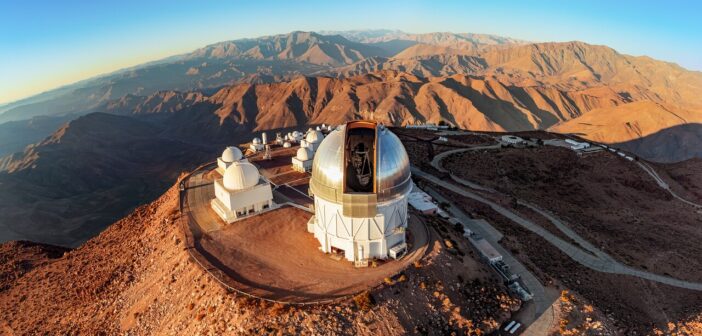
point(673, 144)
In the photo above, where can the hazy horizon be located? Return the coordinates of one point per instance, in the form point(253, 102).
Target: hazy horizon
point(60, 44)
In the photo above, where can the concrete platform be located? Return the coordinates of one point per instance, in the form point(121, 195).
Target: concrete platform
point(272, 256)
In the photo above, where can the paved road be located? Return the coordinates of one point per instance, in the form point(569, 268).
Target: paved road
point(436, 162)
point(541, 302)
point(648, 169)
point(599, 261)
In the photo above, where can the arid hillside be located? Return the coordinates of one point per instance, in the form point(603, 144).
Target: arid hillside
point(78, 167)
point(91, 172)
point(652, 130)
point(396, 98)
point(481, 82)
point(606, 198)
point(610, 114)
point(15, 135)
point(136, 277)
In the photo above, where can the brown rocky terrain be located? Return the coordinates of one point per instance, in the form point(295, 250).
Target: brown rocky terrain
point(16, 135)
point(566, 79)
point(670, 145)
point(136, 277)
point(632, 306)
point(608, 200)
point(613, 204)
point(625, 122)
point(396, 98)
point(91, 172)
point(567, 95)
point(652, 130)
point(482, 82)
point(685, 178)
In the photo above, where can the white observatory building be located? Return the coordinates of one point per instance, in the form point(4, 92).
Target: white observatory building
point(313, 139)
point(302, 162)
point(256, 145)
point(230, 155)
point(360, 183)
point(241, 192)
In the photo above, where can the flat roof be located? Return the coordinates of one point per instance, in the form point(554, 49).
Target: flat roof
point(486, 249)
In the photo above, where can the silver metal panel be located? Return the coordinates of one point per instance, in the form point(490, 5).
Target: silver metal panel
point(327, 171)
point(392, 168)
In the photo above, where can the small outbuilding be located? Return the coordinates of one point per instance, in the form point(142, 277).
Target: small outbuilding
point(241, 192)
point(313, 139)
point(302, 162)
point(230, 155)
point(512, 140)
point(421, 201)
point(256, 145)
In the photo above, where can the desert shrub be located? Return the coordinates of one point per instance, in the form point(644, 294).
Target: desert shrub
point(364, 301)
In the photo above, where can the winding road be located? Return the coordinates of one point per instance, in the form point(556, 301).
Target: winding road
point(593, 258)
point(541, 303)
point(539, 317)
point(648, 169)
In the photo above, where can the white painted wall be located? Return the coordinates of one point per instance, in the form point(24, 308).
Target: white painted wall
point(241, 202)
point(375, 235)
point(302, 166)
point(222, 165)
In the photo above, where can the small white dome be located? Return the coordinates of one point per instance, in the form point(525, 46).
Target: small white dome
point(286, 145)
point(231, 154)
point(256, 141)
point(240, 175)
point(318, 128)
point(315, 137)
point(304, 154)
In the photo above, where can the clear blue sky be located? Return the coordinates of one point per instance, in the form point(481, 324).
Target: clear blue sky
point(45, 44)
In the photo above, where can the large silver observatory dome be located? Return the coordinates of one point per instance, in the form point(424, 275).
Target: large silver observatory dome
point(375, 157)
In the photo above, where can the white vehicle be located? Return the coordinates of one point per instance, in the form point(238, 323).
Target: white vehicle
point(516, 326)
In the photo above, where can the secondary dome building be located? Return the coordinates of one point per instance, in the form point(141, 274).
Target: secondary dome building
point(360, 183)
point(230, 155)
point(302, 161)
point(256, 145)
point(313, 139)
point(241, 192)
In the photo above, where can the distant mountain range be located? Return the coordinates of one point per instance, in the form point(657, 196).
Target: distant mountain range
point(570, 68)
point(264, 59)
point(137, 128)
